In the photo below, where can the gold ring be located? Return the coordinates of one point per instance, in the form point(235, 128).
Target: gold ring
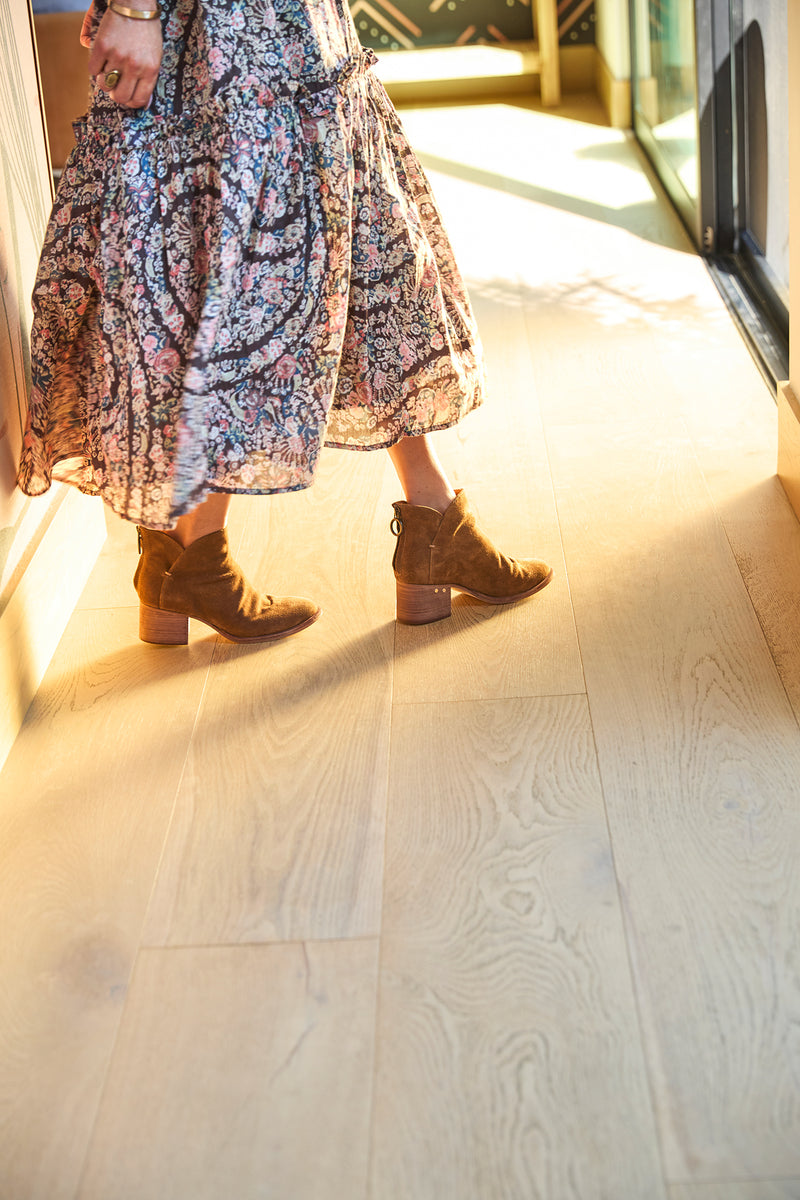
point(112, 79)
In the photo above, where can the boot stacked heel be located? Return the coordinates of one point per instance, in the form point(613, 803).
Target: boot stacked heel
point(420, 604)
point(162, 628)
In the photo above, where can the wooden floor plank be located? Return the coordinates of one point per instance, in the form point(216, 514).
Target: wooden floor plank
point(768, 555)
point(87, 794)
point(240, 1072)
point(699, 754)
point(278, 831)
point(732, 424)
point(509, 1061)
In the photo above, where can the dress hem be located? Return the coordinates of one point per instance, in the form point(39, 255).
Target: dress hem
point(212, 489)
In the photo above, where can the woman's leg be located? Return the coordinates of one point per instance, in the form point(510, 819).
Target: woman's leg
point(420, 473)
point(208, 517)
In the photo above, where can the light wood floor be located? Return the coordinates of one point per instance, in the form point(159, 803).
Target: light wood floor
point(505, 908)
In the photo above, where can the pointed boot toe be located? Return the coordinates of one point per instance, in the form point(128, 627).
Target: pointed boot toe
point(438, 553)
point(203, 582)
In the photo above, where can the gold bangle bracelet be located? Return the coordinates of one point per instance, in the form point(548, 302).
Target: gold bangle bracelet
point(136, 14)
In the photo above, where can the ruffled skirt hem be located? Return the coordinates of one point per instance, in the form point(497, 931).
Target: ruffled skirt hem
point(223, 291)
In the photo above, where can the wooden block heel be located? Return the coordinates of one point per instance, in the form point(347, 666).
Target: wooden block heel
point(163, 628)
point(419, 604)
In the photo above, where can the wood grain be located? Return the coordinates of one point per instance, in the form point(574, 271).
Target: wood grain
point(278, 831)
point(240, 1072)
point(768, 556)
point(509, 1061)
point(733, 434)
point(699, 754)
point(87, 794)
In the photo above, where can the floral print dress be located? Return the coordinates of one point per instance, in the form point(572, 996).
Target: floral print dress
point(250, 268)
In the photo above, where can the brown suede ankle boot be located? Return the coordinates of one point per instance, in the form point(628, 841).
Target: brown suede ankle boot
point(438, 552)
point(205, 583)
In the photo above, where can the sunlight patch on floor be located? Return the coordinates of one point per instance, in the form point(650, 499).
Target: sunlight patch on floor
point(534, 227)
point(545, 152)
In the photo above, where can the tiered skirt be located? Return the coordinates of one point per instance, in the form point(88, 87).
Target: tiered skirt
point(251, 268)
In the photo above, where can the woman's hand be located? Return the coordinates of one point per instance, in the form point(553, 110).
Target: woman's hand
point(131, 47)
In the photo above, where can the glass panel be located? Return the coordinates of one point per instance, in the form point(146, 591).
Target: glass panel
point(762, 90)
point(711, 110)
point(665, 88)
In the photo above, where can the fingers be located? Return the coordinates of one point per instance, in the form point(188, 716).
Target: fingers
point(133, 50)
point(140, 97)
point(130, 91)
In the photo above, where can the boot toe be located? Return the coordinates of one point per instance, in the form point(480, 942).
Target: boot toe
point(537, 575)
point(520, 580)
point(284, 616)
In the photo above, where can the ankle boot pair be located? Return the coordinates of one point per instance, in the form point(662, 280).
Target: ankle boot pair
point(436, 554)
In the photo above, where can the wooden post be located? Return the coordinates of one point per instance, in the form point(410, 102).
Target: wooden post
point(547, 38)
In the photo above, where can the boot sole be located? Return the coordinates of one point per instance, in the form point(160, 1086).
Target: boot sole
point(422, 604)
point(160, 628)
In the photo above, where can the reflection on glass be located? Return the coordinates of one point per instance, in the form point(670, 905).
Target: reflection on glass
point(762, 94)
point(665, 82)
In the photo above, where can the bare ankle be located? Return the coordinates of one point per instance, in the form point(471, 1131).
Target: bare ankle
point(439, 498)
point(421, 476)
point(208, 517)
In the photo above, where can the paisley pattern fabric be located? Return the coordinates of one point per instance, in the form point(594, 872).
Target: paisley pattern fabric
point(251, 267)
